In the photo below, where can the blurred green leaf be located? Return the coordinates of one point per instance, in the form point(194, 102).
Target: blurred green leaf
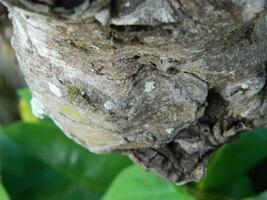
point(3, 194)
point(237, 189)
point(262, 196)
point(26, 177)
point(25, 93)
point(45, 164)
point(25, 110)
point(227, 169)
point(135, 184)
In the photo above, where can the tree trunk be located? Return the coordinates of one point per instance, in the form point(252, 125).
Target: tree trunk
point(163, 81)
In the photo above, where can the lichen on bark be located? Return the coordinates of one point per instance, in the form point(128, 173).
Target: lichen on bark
point(163, 81)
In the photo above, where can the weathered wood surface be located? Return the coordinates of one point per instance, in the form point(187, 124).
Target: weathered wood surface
point(163, 81)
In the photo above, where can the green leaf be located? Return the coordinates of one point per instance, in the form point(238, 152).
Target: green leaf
point(25, 110)
point(45, 164)
point(25, 93)
point(228, 167)
point(237, 189)
point(3, 194)
point(135, 184)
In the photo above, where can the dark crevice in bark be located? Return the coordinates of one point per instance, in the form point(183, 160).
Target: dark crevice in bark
point(228, 5)
point(186, 155)
point(68, 4)
point(215, 110)
point(133, 34)
point(264, 90)
point(248, 33)
point(172, 70)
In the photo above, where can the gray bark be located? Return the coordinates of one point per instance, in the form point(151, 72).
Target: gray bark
point(163, 81)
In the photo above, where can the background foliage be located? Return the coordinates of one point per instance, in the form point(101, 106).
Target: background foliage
point(38, 162)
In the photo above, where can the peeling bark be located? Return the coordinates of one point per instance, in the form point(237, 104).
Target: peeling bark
point(163, 81)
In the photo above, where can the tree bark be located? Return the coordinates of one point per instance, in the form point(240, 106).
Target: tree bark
point(163, 81)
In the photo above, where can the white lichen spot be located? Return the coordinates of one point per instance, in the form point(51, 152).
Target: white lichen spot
point(55, 90)
point(108, 105)
point(146, 125)
point(38, 109)
point(149, 86)
point(127, 4)
point(98, 49)
point(245, 113)
point(245, 86)
point(169, 131)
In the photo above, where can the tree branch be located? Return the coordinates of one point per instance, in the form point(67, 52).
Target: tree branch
point(165, 82)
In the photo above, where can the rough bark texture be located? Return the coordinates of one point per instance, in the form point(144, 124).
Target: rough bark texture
point(163, 81)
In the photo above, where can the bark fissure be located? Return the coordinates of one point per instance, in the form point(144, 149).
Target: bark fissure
point(194, 144)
